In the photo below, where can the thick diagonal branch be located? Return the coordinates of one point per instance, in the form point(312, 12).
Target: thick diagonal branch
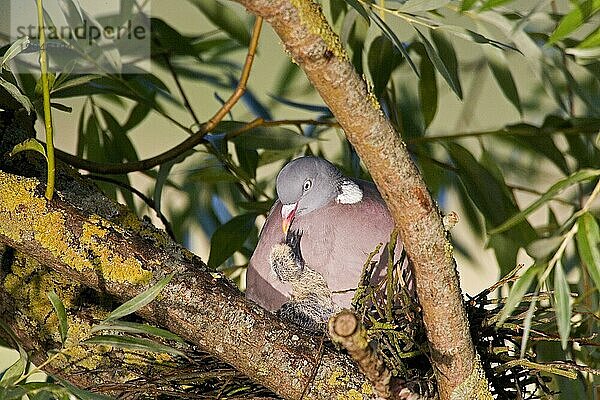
point(100, 244)
point(310, 41)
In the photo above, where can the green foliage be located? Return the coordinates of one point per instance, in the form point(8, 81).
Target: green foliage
point(525, 149)
point(61, 314)
point(139, 301)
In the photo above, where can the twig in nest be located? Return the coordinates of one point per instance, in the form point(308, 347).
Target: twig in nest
point(346, 329)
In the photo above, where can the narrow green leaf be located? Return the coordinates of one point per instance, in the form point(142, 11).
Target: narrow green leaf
point(14, 50)
point(527, 324)
point(12, 393)
point(92, 144)
point(590, 41)
point(140, 300)
point(489, 193)
point(446, 52)
point(519, 290)
point(61, 313)
point(71, 13)
point(133, 327)
point(439, 64)
point(138, 113)
point(44, 388)
point(338, 8)
point(122, 143)
point(466, 5)
point(582, 90)
point(248, 160)
point(562, 304)
point(588, 242)
point(428, 90)
point(360, 9)
point(225, 18)
point(537, 141)
point(230, 237)
point(15, 371)
point(81, 131)
point(574, 19)
point(584, 54)
point(489, 4)
point(354, 32)
point(132, 343)
point(271, 138)
point(64, 81)
point(382, 60)
point(395, 41)
point(579, 176)
point(28, 145)
point(163, 174)
point(211, 174)
point(16, 93)
point(497, 62)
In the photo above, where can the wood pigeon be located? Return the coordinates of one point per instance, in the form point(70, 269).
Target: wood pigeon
point(342, 220)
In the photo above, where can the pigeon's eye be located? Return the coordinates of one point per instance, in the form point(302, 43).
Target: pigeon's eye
point(307, 185)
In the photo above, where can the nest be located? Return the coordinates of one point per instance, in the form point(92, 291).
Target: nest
point(393, 323)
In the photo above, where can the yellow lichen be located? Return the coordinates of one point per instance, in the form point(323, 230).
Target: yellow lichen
point(114, 266)
point(130, 221)
point(366, 388)
point(312, 17)
point(89, 358)
point(351, 394)
point(163, 357)
point(371, 96)
point(475, 387)
point(23, 213)
point(337, 378)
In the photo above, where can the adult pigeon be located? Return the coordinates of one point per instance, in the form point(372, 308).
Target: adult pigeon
point(341, 219)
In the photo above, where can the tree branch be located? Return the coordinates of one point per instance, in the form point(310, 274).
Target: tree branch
point(96, 242)
point(312, 44)
point(26, 309)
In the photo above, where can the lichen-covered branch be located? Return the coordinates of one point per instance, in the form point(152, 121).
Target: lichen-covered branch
point(346, 329)
point(124, 373)
point(312, 44)
point(98, 243)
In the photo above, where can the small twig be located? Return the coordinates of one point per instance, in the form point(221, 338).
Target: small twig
point(189, 143)
point(346, 329)
point(297, 122)
point(315, 367)
point(554, 368)
point(390, 282)
point(241, 86)
point(186, 101)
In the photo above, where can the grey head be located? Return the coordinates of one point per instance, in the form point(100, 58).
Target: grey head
point(308, 183)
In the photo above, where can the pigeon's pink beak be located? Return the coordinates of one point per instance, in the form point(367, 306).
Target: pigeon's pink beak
point(288, 211)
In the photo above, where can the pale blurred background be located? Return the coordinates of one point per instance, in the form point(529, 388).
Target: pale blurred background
point(155, 134)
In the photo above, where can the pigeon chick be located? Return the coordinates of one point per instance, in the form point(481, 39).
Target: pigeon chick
point(310, 305)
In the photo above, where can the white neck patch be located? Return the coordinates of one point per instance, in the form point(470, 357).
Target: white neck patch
point(350, 194)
